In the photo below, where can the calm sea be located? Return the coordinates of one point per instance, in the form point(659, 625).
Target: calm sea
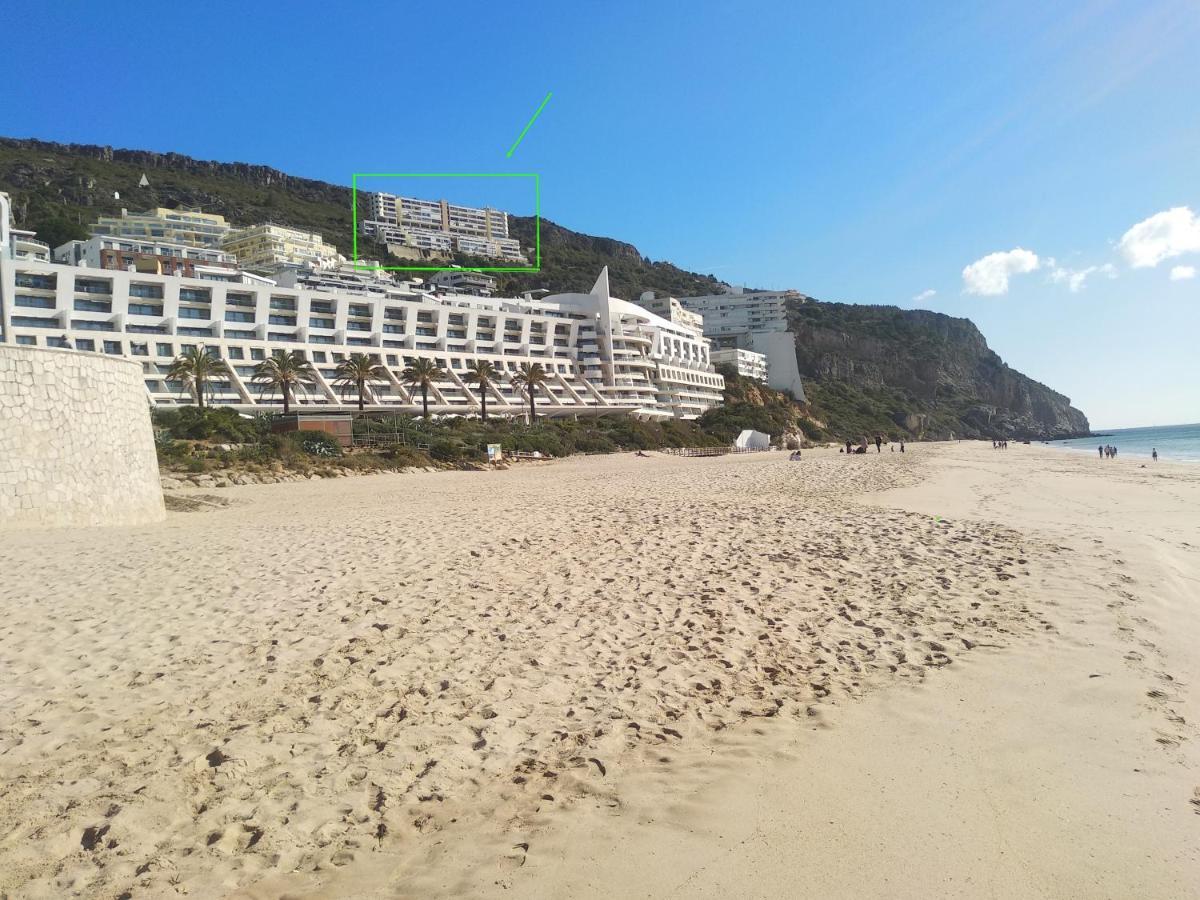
point(1174, 442)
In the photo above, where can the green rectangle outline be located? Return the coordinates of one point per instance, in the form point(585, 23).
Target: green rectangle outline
point(537, 212)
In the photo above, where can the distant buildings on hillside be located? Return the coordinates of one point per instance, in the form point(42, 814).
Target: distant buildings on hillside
point(757, 321)
point(434, 228)
point(270, 248)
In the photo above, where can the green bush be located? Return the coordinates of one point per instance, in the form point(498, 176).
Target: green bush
point(316, 443)
point(195, 424)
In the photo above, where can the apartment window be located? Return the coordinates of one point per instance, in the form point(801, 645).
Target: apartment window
point(239, 300)
point(163, 349)
point(235, 315)
point(237, 353)
point(287, 304)
point(139, 349)
point(319, 356)
point(282, 320)
point(38, 282)
point(239, 335)
point(100, 306)
point(394, 329)
point(26, 340)
point(146, 329)
point(34, 302)
point(146, 291)
point(186, 312)
point(358, 326)
point(280, 336)
point(319, 306)
point(359, 342)
point(93, 286)
point(144, 309)
point(391, 360)
point(195, 332)
point(195, 295)
point(257, 353)
point(32, 322)
point(112, 347)
point(316, 322)
point(320, 338)
point(85, 325)
point(357, 309)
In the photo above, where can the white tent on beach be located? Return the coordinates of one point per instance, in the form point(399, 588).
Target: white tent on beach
point(752, 440)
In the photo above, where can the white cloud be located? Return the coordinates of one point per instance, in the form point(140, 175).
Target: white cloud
point(988, 277)
point(1162, 236)
point(924, 295)
point(1076, 279)
point(1183, 273)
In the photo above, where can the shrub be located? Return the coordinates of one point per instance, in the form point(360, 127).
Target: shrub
point(195, 424)
point(316, 443)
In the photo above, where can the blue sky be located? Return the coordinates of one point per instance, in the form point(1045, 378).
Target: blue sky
point(858, 152)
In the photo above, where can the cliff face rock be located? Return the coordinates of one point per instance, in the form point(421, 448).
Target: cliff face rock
point(925, 373)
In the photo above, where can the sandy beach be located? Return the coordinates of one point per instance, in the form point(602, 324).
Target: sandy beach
point(950, 672)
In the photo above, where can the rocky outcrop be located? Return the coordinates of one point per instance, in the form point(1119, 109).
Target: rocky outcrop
point(926, 373)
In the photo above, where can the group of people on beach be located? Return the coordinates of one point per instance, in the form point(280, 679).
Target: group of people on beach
point(1108, 451)
point(999, 445)
point(862, 445)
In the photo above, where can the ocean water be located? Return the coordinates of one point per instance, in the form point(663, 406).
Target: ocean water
point(1174, 442)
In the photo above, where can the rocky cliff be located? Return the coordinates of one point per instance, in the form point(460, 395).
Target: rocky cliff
point(918, 373)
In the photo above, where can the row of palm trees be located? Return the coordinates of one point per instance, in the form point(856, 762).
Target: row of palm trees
point(287, 371)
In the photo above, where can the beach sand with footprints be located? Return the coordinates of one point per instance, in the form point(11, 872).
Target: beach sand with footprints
point(950, 672)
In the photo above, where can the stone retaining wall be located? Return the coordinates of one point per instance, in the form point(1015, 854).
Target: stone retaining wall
point(76, 444)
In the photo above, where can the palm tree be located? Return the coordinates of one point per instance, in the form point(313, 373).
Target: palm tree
point(355, 371)
point(422, 373)
point(484, 372)
point(194, 368)
point(284, 371)
point(529, 377)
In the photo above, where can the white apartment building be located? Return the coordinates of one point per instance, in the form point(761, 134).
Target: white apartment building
point(105, 252)
point(745, 362)
point(186, 226)
point(754, 320)
point(602, 355)
point(440, 226)
point(464, 281)
point(671, 309)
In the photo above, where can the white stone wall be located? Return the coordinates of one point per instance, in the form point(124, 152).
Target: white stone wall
point(76, 444)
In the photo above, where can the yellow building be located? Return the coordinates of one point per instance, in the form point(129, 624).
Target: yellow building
point(272, 247)
point(185, 225)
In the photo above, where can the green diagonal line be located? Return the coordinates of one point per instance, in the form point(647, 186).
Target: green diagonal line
point(521, 136)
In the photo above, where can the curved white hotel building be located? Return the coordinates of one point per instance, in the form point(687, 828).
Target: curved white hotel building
point(603, 355)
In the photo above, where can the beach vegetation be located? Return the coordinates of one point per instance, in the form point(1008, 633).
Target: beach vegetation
point(357, 371)
point(284, 372)
point(194, 368)
point(422, 374)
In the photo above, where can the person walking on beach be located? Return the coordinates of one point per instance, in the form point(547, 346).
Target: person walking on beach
point(878, 444)
point(847, 446)
point(902, 446)
point(1100, 450)
point(1154, 454)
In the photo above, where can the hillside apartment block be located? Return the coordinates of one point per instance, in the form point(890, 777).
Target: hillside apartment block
point(603, 355)
point(437, 227)
point(756, 321)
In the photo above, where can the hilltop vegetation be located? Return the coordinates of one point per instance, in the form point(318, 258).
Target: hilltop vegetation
point(59, 189)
